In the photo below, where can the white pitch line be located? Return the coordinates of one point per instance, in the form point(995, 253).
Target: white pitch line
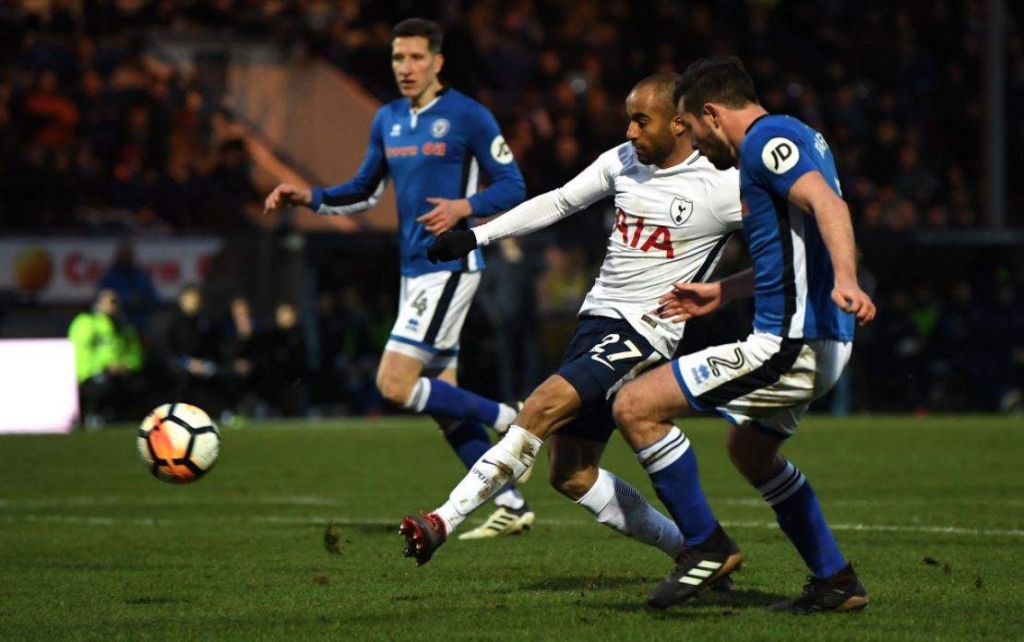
point(181, 500)
point(881, 528)
point(90, 520)
point(310, 500)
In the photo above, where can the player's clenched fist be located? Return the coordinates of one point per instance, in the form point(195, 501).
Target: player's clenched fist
point(850, 298)
point(287, 195)
point(452, 245)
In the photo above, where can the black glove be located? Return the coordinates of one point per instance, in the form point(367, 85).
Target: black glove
point(453, 244)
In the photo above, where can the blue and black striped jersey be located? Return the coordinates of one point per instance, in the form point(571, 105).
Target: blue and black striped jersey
point(439, 151)
point(792, 270)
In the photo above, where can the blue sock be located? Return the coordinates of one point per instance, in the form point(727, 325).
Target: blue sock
point(441, 399)
point(672, 465)
point(470, 442)
point(800, 517)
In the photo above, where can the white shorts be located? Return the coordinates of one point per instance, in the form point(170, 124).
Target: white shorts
point(763, 379)
point(431, 310)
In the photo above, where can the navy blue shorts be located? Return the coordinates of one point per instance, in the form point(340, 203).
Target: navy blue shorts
point(604, 354)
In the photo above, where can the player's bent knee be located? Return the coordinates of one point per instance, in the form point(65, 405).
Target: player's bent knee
point(546, 407)
point(394, 388)
point(573, 485)
point(629, 410)
point(755, 460)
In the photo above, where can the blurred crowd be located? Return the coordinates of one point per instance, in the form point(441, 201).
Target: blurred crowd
point(98, 138)
point(89, 125)
point(955, 348)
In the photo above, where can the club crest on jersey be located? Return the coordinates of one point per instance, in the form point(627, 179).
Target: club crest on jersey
point(680, 210)
point(440, 127)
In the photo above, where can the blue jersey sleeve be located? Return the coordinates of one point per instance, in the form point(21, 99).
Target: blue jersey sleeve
point(363, 190)
point(775, 158)
point(507, 188)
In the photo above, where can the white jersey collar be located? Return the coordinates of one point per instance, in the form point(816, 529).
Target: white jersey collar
point(678, 167)
point(414, 113)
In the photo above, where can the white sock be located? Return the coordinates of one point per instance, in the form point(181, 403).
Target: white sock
point(620, 506)
point(506, 461)
point(417, 400)
point(506, 415)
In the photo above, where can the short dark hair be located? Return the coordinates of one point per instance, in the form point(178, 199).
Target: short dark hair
point(715, 80)
point(420, 27)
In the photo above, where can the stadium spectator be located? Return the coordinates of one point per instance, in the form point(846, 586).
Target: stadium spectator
point(191, 355)
point(238, 352)
point(232, 189)
point(283, 364)
point(108, 361)
point(133, 285)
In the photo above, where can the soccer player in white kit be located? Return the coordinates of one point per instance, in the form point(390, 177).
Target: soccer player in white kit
point(674, 215)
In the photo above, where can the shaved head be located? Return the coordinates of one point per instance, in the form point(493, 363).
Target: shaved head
point(662, 86)
point(654, 126)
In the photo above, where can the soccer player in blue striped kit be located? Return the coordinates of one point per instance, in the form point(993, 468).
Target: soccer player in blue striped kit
point(806, 300)
point(432, 142)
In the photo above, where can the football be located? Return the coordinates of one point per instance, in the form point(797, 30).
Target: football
point(179, 443)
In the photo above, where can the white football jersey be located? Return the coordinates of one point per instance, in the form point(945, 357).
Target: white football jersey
point(670, 225)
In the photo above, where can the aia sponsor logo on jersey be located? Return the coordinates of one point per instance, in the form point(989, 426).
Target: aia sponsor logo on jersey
point(644, 237)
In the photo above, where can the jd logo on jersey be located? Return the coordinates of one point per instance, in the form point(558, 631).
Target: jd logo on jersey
point(780, 155)
point(680, 210)
point(500, 150)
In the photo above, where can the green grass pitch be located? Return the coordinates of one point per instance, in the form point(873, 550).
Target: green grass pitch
point(931, 511)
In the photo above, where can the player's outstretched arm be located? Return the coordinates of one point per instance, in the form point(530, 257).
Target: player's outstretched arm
point(362, 191)
point(535, 214)
point(688, 300)
point(589, 186)
point(812, 194)
point(286, 195)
